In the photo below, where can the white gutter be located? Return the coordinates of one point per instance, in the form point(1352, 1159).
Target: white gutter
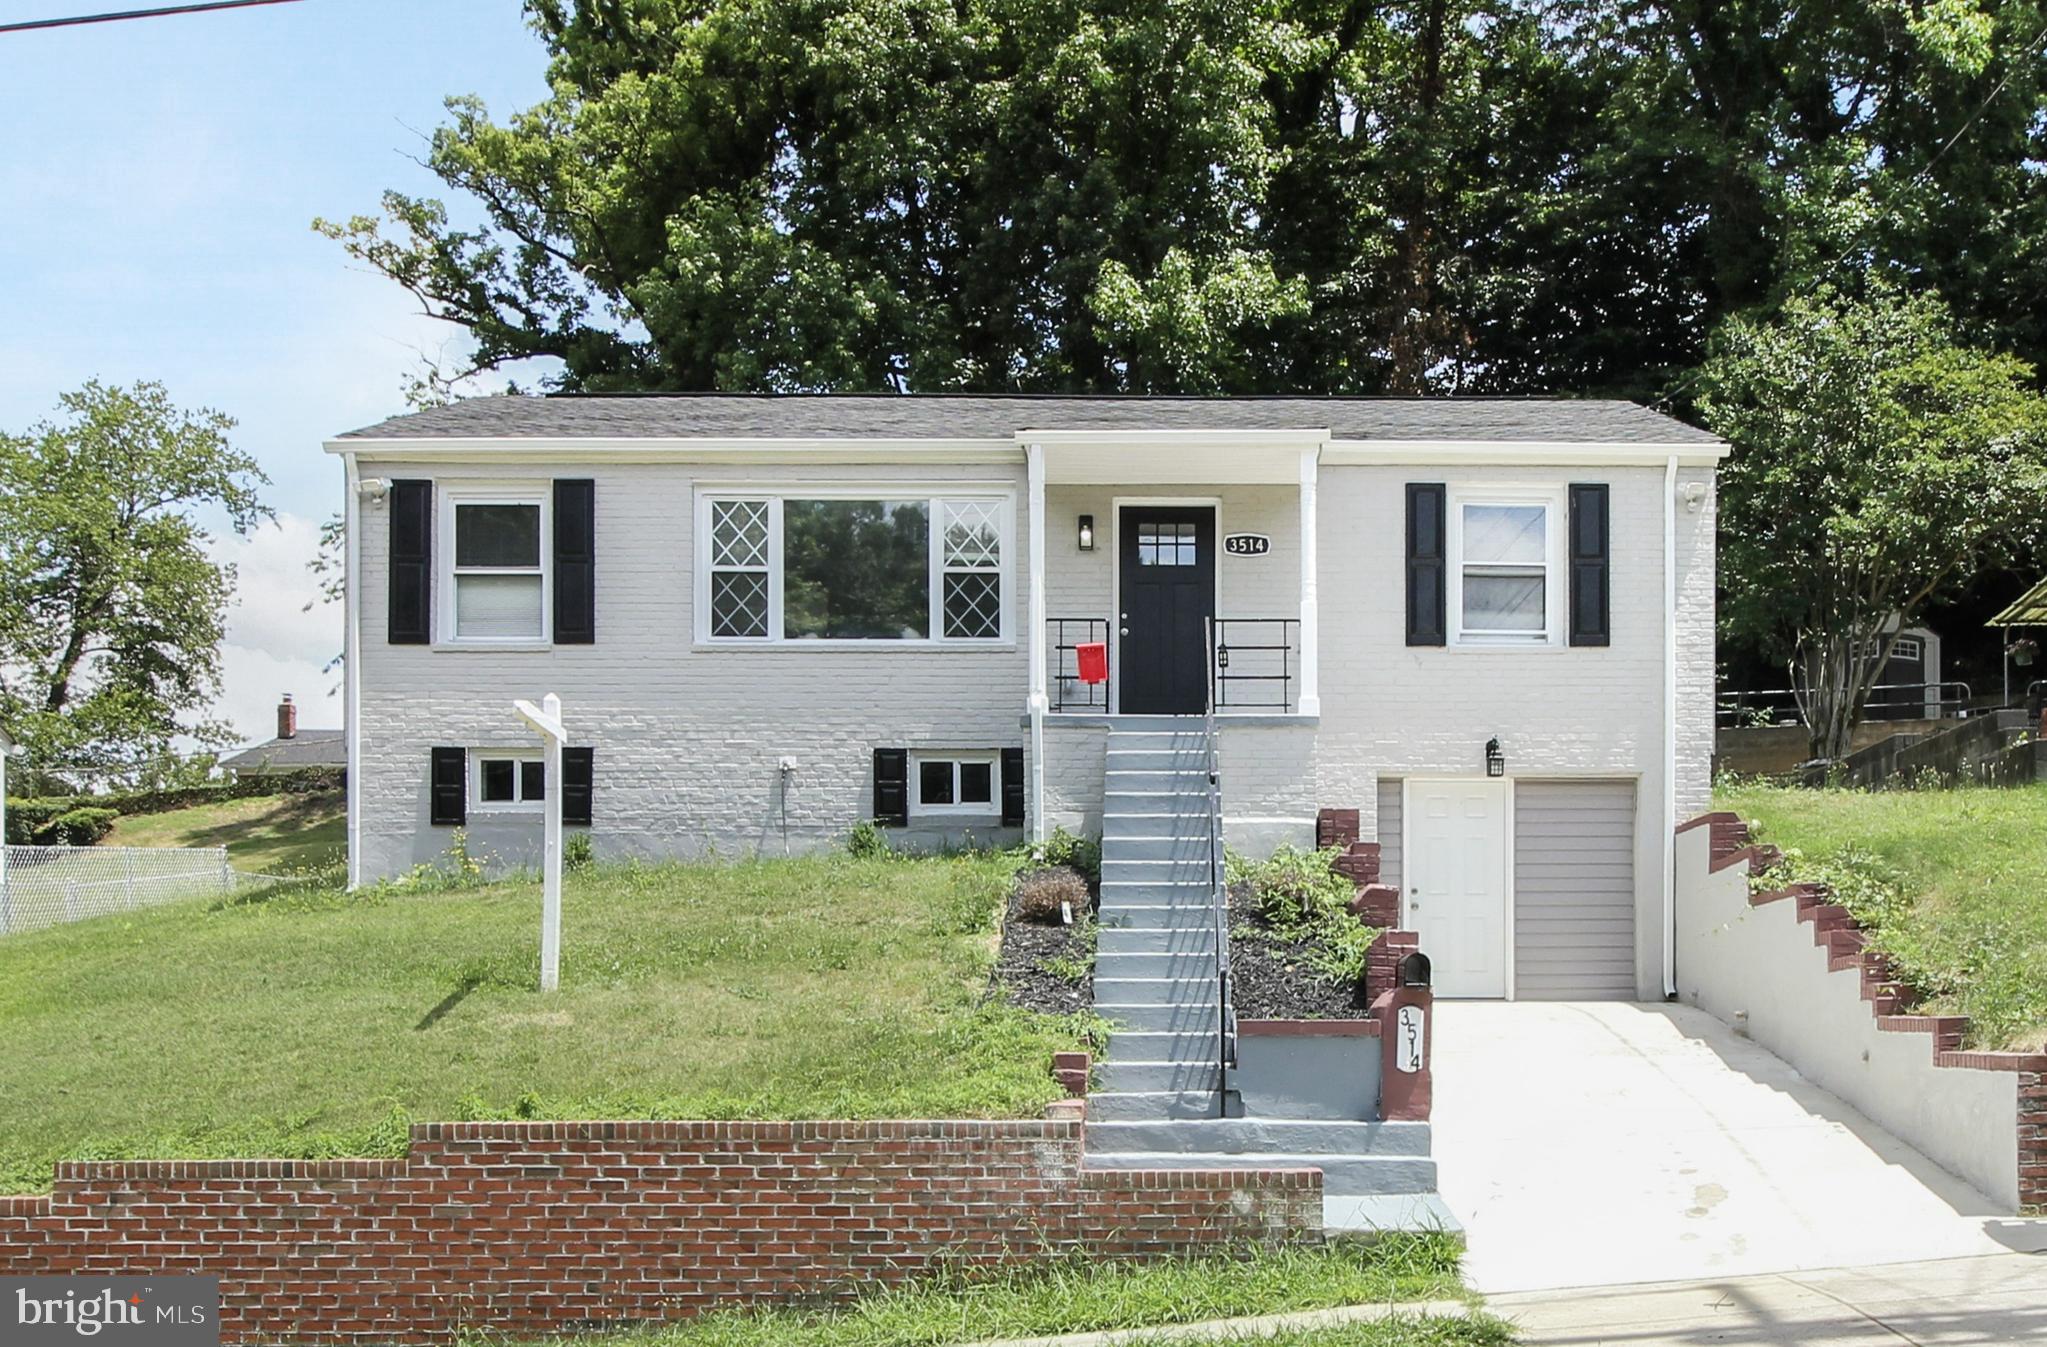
point(1034, 459)
point(1669, 845)
point(351, 664)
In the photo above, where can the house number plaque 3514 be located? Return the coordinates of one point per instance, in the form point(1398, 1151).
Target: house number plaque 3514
point(1247, 544)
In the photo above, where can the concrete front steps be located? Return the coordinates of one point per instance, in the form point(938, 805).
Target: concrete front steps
point(1357, 1159)
point(1155, 956)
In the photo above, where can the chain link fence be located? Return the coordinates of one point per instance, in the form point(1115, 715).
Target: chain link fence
point(48, 886)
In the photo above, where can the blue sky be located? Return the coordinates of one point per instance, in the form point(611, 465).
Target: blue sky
point(157, 188)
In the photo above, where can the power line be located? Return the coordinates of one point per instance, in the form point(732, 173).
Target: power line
point(161, 11)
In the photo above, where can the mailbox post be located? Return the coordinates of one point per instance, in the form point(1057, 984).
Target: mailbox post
point(1406, 1081)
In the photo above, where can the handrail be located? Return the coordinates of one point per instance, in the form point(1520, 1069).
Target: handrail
point(1226, 1055)
point(1730, 707)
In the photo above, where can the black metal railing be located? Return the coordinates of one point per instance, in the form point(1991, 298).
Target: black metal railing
point(1256, 663)
point(1065, 636)
point(1218, 883)
point(1887, 701)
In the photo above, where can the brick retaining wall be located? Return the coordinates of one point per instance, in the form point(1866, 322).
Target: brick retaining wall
point(527, 1228)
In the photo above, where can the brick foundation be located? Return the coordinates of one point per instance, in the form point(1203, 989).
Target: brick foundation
point(1890, 999)
point(529, 1228)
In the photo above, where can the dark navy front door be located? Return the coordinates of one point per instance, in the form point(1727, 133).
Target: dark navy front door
point(1167, 560)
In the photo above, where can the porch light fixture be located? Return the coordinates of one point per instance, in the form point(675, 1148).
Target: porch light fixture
point(1495, 760)
point(1087, 533)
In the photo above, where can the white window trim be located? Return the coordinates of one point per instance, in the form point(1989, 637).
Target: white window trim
point(935, 497)
point(1555, 569)
point(479, 805)
point(491, 493)
point(993, 807)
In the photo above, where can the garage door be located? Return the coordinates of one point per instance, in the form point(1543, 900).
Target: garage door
point(1574, 890)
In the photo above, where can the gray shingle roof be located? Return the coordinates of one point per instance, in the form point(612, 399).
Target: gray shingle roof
point(307, 748)
point(925, 416)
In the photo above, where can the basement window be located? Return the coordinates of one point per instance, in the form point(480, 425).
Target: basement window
point(956, 783)
point(507, 782)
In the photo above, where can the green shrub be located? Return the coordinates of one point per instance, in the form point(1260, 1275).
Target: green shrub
point(577, 851)
point(867, 840)
point(78, 828)
point(1301, 894)
point(1062, 848)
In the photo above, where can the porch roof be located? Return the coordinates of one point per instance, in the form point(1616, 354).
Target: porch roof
point(843, 416)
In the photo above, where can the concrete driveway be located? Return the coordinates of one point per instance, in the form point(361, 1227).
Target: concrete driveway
point(1597, 1143)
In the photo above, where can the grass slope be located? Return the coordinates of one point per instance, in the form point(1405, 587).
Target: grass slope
point(1080, 1296)
point(1968, 915)
point(312, 1024)
point(264, 834)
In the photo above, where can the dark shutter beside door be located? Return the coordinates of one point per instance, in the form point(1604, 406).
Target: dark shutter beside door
point(578, 772)
point(409, 603)
point(892, 786)
point(450, 786)
point(1426, 561)
point(1012, 787)
point(575, 562)
point(1591, 566)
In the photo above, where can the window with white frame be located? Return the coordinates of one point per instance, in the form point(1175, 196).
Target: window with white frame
point(956, 783)
point(1506, 580)
point(496, 569)
point(852, 566)
point(506, 780)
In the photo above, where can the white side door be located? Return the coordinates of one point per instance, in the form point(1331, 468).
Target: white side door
point(1456, 863)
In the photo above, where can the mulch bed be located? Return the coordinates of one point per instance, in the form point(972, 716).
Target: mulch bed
point(1272, 977)
point(1020, 969)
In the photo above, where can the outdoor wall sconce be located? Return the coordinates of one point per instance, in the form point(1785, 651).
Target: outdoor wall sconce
point(1495, 760)
point(1087, 533)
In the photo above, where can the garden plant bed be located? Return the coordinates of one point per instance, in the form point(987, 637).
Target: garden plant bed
point(1273, 976)
point(1047, 966)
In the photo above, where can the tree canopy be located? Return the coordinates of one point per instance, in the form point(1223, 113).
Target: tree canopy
point(1880, 460)
point(111, 611)
point(1205, 195)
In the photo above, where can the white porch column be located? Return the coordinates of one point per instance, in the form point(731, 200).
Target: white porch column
point(1311, 641)
point(1034, 460)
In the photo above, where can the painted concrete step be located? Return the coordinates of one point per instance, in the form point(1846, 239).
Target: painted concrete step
point(1189, 827)
point(1164, 1045)
point(1177, 870)
point(1342, 1175)
point(1186, 845)
point(1111, 988)
point(1373, 1213)
point(1150, 1105)
point(1171, 1077)
point(1128, 782)
point(1195, 965)
point(1119, 800)
point(1182, 1017)
point(1261, 1136)
point(1170, 756)
point(1192, 915)
point(1155, 940)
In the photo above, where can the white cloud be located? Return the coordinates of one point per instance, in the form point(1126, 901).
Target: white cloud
point(274, 645)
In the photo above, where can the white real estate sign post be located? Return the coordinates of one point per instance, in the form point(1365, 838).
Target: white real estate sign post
point(547, 719)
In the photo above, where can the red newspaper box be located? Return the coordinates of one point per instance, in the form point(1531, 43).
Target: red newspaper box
point(1093, 659)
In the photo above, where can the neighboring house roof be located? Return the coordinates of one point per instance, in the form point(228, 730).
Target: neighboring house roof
point(962, 416)
point(2030, 610)
point(307, 748)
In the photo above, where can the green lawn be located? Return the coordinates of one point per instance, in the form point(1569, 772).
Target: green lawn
point(314, 1024)
point(1952, 882)
point(1081, 1296)
point(264, 834)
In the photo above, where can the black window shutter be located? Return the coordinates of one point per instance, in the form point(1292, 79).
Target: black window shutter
point(451, 787)
point(575, 562)
point(410, 604)
point(1426, 574)
point(892, 786)
point(1012, 787)
point(578, 772)
point(1591, 566)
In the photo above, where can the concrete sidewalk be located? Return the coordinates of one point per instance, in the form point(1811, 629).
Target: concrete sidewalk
point(1996, 1299)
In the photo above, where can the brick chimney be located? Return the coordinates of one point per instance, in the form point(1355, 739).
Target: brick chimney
point(287, 718)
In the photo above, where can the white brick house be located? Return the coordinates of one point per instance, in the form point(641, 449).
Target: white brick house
point(769, 617)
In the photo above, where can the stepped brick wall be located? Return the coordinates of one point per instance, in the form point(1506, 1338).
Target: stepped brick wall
point(527, 1228)
point(1891, 1000)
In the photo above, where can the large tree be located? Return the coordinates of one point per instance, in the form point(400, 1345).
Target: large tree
point(1878, 462)
point(1503, 195)
point(111, 611)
